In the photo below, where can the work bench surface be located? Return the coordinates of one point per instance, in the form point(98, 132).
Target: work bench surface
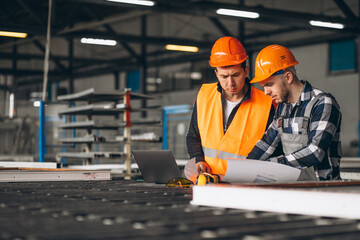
point(120, 209)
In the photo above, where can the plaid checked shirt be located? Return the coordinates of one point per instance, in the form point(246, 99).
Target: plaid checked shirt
point(324, 147)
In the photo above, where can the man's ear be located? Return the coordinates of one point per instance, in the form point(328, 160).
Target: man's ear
point(247, 71)
point(289, 76)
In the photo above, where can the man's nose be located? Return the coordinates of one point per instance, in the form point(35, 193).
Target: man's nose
point(231, 79)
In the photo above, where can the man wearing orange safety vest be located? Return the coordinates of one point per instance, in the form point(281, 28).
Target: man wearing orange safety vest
point(229, 116)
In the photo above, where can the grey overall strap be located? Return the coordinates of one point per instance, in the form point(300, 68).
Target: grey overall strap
point(280, 120)
point(308, 110)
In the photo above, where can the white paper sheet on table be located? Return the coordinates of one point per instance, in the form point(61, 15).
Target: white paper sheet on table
point(245, 170)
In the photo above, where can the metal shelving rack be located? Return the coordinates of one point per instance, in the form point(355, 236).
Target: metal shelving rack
point(93, 98)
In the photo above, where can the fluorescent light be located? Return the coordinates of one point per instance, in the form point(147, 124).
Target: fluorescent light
point(181, 48)
point(196, 75)
point(154, 80)
point(136, 2)
point(98, 41)
point(327, 24)
point(36, 103)
point(13, 34)
point(237, 13)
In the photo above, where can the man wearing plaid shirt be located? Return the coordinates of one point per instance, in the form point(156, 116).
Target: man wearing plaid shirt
point(306, 123)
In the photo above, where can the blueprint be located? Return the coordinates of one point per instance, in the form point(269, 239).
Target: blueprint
point(255, 171)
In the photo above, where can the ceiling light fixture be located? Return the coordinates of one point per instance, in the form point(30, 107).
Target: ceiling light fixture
point(237, 13)
point(327, 24)
point(98, 41)
point(13, 34)
point(36, 103)
point(172, 47)
point(136, 2)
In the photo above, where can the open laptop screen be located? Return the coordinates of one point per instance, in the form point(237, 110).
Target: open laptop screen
point(156, 166)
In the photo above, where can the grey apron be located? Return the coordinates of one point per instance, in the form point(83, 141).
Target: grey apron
point(293, 142)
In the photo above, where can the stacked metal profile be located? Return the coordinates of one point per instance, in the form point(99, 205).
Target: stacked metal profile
point(103, 104)
point(121, 209)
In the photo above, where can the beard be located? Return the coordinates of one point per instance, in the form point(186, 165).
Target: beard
point(284, 94)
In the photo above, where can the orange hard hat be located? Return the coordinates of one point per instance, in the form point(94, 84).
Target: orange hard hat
point(227, 51)
point(272, 59)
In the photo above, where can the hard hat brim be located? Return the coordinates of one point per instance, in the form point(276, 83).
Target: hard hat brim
point(228, 63)
point(264, 77)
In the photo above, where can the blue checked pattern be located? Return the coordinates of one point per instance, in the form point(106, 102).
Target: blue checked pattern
point(324, 147)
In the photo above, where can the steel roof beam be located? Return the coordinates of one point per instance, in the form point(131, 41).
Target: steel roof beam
point(125, 64)
point(121, 64)
point(298, 17)
point(69, 19)
point(139, 39)
point(27, 57)
point(13, 27)
point(109, 29)
point(267, 15)
point(220, 26)
point(29, 72)
point(57, 62)
point(345, 9)
point(203, 9)
point(32, 13)
point(37, 43)
point(275, 32)
point(98, 23)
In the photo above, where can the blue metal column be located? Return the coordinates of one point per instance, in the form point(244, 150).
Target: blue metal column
point(42, 148)
point(165, 128)
point(73, 119)
point(63, 148)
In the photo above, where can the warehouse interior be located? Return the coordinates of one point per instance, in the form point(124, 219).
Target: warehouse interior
point(52, 68)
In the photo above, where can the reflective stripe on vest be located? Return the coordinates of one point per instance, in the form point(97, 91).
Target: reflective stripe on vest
point(247, 127)
point(208, 152)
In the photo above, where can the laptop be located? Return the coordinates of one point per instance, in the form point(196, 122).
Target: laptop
point(156, 166)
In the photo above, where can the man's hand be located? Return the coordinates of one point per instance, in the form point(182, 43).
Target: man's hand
point(202, 167)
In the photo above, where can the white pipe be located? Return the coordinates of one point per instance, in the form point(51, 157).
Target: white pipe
point(47, 53)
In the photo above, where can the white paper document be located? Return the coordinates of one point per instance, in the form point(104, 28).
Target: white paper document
point(255, 171)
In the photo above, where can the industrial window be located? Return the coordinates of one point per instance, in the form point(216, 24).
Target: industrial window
point(133, 81)
point(342, 56)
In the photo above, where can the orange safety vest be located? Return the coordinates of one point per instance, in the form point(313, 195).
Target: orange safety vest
point(247, 127)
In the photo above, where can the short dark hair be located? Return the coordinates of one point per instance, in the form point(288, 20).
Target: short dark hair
point(243, 65)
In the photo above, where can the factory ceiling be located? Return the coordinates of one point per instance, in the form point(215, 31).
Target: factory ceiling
point(143, 31)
